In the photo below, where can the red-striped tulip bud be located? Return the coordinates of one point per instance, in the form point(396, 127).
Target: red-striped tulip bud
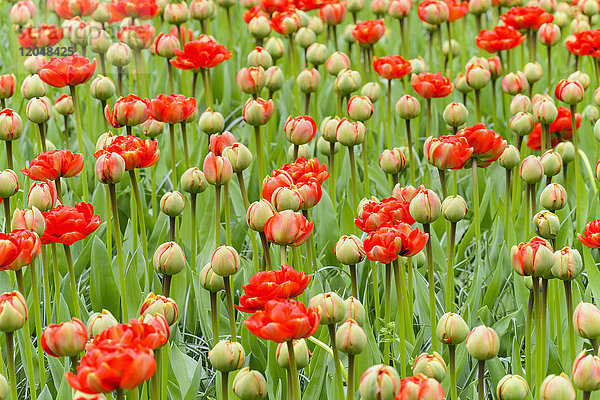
point(239, 156)
point(454, 208)
point(251, 80)
point(349, 250)
point(226, 356)
point(109, 168)
point(566, 151)
point(455, 114)
point(38, 110)
point(258, 112)
point(176, 13)
point(315, 24)
point(452, 329)
point(337, 62)
point(331, 306)
point(425, 207)
point(553, 197)
point(483, 343)
point(274, 79)
point(102, 13)
point(522, 123)
point(570, 92)
point(211, 122)
point(551, 162)
point(34, 64)
point(168, 259)
point(347, 81)
point(510, 158)
point(392, 161)
point(329, 129)
point(586, 372)
point(22, 12)
point(287, 198)
point(580, 77)
point(549, 34)
point(546, 224)
point(193, 181)
point(300, 130)
point(431, 390)
point(13, 311)
point(301, 352)
point(350, 338)
point(567, 264)
point(118, 54)
point(9, 183)
point(11, 125)
point(586, 318)
point(531, 170)
point(165, 306)
point(372, 90)
point(33, 86)
point(225, 261)
point(99, 40)
point(592, 114)
point(99, 322)
point(478, 76)
point(172, 203)
point(434, 12)
point(350, 133)
point(249, 384)
point(308, 80)
point(316, 54)
point(64, 105)
point(305, 37)
point(354, 311)
point(32, 220)
point(42, 195)
point(557, 387)
point(589, 7)
point(103, 88)
point(259, 27)
point(533, 72)
point(258, 214)
point(430, 365)
point(203, 9)
point(360, 108)
point(7, 85)
point(288, 228)
point(379, 382)
point(532, 258)
point(514, 83)
point(211, 281)
point(67, 339)
point(217, 169)
point(520, 103)
point(408, 107)
point(478, 7)
point(260, 57)
point(512, 387)
point(399, 8)
point(165, 45)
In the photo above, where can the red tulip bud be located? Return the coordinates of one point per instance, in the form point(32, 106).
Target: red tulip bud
point(98, 322)
point(13, 311)
point(168, 259)
point(557, 387)
point(225, 261)
point(483, 343)
point(226, 356)
point(110, 168)
point(9, 183)
point(217, 169)
point(67, 339)
point(337, 62)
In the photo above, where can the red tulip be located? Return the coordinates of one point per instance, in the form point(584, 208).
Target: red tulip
point(43, 36)
point(201, 53)
point(311, 193)
point(67, 339)
point(447, 152)
point(217, 169)
point(172, 109)
point(29, 245)
point(218, 143)
point(9, 250)
point(300, 130)
point(270, 6)
point(499, 39)
point(530, 17)
point(391, 67)
point(67, 9)
point(487, 145)
point(137, 9)
point(388, 243)
point(277, 179)
point(429, 85)
point(54, 164)
point(284, 320)
point(68, 224)
point(388, 212)
point(569, 91)
point(253, 12)
point(285, 22)
point(332, 13)
point(149, 335)
point(591, 235)
point(303, 169)
point(369, 32)
point(288, 228)
point(433, 12)
point(72, 70)
point(456, 9)
point(584, 43)
point(42, 195)
point(137, 153)
point(130, 110)
point(560, 129)
point(7, 86)
point(137, 36)
point(285, 283)
point(532, 258)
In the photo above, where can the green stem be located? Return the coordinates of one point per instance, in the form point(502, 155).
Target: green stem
point(336, 360)
point(538, 332)
point(46, 277)
point(353, 177)
point(428, 126)
point(400, 293)
point(227, 215)
point(569, 301)
point(351, 393)
point(194, 248)
point(477, 106)
point(225, 385)
point(79, 127)
point(480, 379)
point(389, 114)
point(108, 237)
point(10, 352)
point(173, 160)
point(142, 223)
point(163, 372)
point(544, 323)
point(266, 251)
point(74, 295)
point(365, 162)
point(9, 154)
point(120, 394)
point(452, 367)
point(213, 317)
point(578, 182)
point(507, 199)
point(259, 152)
point(231, 311)
point(375, 293)
point(410, 152)
point(56, 283)
point(332, 193)
point(353, 281)
point(141, 73)
point(450, 270)
point(27, 342)
point(528, 327)
point(386, 323)
point(283, 254)
point(186, 155)
point(217, 215)
point(431, 281)
point(293, 371)
point(477, 220)
point(119, 245)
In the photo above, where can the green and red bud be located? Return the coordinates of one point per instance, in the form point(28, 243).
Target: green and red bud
point(98, 322)
point(483, 343)
point(553, 197)
point(168, 259)
point(226, 356)
point(249, 384)
point(350, 338)
point(172, 203)
point(452, 329)
point(430, 365)
point(379, 382)
point(225, 261)
point(331, 307)
point(454, 208)
point(512, 387)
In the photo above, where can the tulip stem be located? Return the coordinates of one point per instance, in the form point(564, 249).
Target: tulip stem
point(74, 296)
point(38, 323)
point(389, 114)
point(569, 301)
point(365, 161)
point(332, 173)
point(476, 221)
point(336, 361)
point(579, 190)
point(119, 245)
point(173, 161)
point(259, 152)
point(217, 215)
point(428, 125)
point(410, 152)
point(266, 251)
point(507, 205)
point(353, 281)
point(10, 353)
point(224, 385)
point(213, 317)
point(450, 269)
point(538, 332)
point(80, 146)
point(431, 279)
point(544, 299)
point(442, 175)
point(386, 323)
point(477, 106)
point(400, 293)
point(350, 394)
point(586, 395)
point(194, 232)
point(375, 293)
point(227, 215)
point(6, 203)
point(9, 154)
point(170, 73)
point(166, 285)
point(141, 222)
point(293, 371)
point(56, 282)
point(120, 394)
point(353, 177)
point(528, 338)
point(186, 155)
point(42, 131)
point(207, 90)
point(283, 254)
point(452, 366)
point(27, 334)
point(229, 295)
point(480, 380)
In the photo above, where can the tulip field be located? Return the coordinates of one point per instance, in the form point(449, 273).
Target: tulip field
point(299, 199)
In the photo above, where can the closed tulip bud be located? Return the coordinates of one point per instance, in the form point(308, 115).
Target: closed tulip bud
point(249, 385)
point(533, 72)
point(308, 80)
point(589, 7)
point(350, 338)
point(22, 12)
point(118, 54)
point(478, 76)
point(211, 281)
point(67, 339)
point(152, 128)
point(392, 161)
point(226, 356)
point(300, 130)
point(514, 83)
point(172, 203)
point(168, 259)
point(347, 81)
point(430, 365)
point(586, 318)
point(203, 9)
point(336, 63)
point(586, 372)
point(301, 352)
point(512, 387)
point(561, 18)
point(372, 90)
point(531, 170)
point(418, 65)
point(251, 80)
point(350, 133)
point(478, 7)
point(274, 79)
point(99, 41)
point(454, 208)
point(275, 48)
point(460, 83)
point(316, 54)
point(285, 198)
point(452, 329)
point(581, 77)
point(552, 163)
point(355, 6)
point(329, 128)
point(408, 107)
point(425, 207)
point(258, 214)
point(162, 305)
point(579, 25)
point(9, 183)
point(431, 390)
point(305, 37)
point(211, 122)
point(360, 108)
point(103, 88)
point(455, 114)
point(4, 389)
point(569, 91)
point(33, 86)
point(32, 220)
point(522, 123)
point(483, 343)
point(546, 224)
point(451, 45)
point(592, 114)
point(64, 105)
point(566, 151)
point(225, 261)
point(316, 25)
point(176, 13)
point(434, 13)
point(239, 156)
point(102, 13)
point(33, 64)
point(323, 147)
point(557, 387)
point(259, 27)
point(217, 169)
point(258, 112)
point(193, 181)
point(567, 265)
point(331, 307)
point(532, 258)
point(109, 168)
point(99, 322)
point(549, 34)
point(520, 103)
point(259, 57)
point(349, 250)
point(354, 311)
point(42, 195)
point(13, 311)
point(11, 125)
point(38, 110)
point(379, 382)
point(510, 158)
